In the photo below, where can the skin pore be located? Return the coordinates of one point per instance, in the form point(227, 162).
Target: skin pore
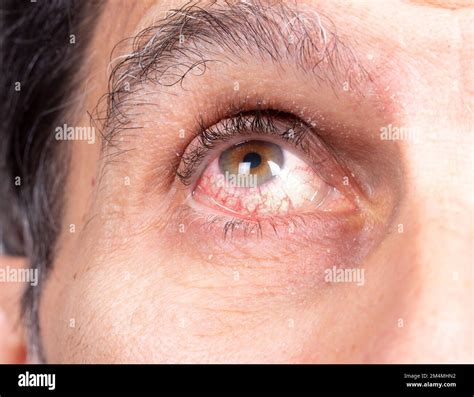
point(147, 277)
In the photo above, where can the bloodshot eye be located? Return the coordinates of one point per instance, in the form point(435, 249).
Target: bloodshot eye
point(258, 179)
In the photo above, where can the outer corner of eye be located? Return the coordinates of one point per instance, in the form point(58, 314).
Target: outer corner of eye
point(258, 179)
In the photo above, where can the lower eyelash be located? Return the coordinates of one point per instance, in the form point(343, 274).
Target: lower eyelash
point(255, 228)
point(237, 228)
point(246, 228)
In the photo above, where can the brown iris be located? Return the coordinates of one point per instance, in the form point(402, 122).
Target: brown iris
point(260, 160)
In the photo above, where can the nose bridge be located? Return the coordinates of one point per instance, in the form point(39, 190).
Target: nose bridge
point(442, 312)
point(440, 195)
point(438, 158)
point(439, 172)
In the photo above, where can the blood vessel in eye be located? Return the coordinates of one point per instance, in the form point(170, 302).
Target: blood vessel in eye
point(258, 179)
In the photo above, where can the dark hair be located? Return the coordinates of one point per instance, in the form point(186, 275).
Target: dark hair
point(39, 60)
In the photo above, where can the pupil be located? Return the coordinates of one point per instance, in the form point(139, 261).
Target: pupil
point(253, 158)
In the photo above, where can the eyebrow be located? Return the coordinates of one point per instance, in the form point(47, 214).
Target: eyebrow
point(190, 37)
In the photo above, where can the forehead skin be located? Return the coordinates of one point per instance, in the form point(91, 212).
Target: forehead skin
point(422, 52)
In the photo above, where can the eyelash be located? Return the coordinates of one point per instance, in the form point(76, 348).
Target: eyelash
point(249, 228)
point(245, 123)
point(252, 124)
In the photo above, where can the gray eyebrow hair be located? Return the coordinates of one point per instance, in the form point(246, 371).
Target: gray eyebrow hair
point(197, 33)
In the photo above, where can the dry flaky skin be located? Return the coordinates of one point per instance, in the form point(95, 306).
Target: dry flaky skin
point(148, 278)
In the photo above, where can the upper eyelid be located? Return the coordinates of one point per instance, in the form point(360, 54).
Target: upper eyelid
point(257, 123)
point(233, 30)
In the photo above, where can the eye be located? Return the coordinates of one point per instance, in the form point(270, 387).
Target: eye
point(263, 164)
point(258, 179)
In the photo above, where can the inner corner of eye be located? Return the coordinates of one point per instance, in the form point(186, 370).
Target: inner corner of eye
point(256, 179)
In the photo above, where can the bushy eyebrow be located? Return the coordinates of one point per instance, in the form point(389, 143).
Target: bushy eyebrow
point(198, 33)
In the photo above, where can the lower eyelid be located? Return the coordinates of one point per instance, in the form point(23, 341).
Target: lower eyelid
point(297, 189)
point(320, 231)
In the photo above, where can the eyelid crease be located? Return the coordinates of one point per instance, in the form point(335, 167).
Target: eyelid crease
point(231, 31)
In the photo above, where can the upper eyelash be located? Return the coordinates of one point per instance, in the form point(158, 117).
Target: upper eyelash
point(257, 121)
